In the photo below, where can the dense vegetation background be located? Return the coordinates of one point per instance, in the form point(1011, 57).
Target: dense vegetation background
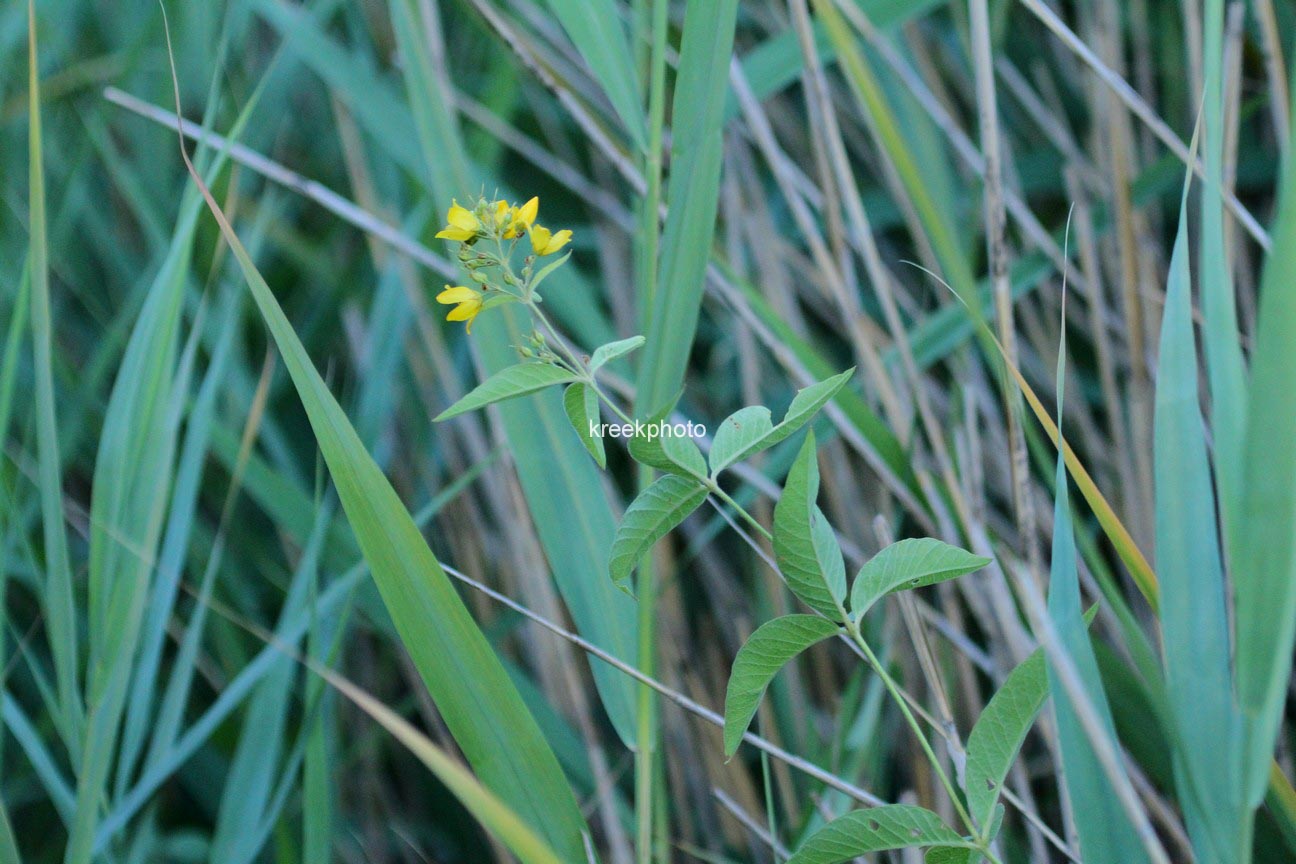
point(178, 574)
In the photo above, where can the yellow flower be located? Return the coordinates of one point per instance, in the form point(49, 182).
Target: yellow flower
point(462, 225)
point(546, 243)
point(520, 218)
point(469, 303)
point(503, 213)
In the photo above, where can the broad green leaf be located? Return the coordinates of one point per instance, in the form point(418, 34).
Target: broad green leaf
point(999, 732)
point(1262, 549)
point(951, 855)
point(750, 431)
point(1103, 827)
point(913, 563)
point(737, 432)
point(596, 31)
point(804, 544)
point(696, 147)
point(582, 406)
point(489, 809)
point(605, 354)
point(1193, 607)
point(650, 517)
point(892, 826)
point(480, 705)
point(772, 645)
point(508, 383)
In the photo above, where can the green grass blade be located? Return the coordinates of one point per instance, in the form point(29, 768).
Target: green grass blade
point(60, 607)
point(8, 844)
point(1263, 550)
point(692, 196)
point(480, 705)
point(601, 40)
point(488, 808)
point(768, 650)
point(1104, 829)
point(1193, 608)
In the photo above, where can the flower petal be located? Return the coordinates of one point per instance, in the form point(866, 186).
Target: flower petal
point(458, 294)
point(462, 218)
point(526, 214)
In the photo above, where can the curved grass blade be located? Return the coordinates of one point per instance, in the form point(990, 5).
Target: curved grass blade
point(767, 651)
point(480, 705)
point(598, 35)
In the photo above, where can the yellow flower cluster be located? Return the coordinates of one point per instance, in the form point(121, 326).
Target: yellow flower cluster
point(504, 220)
point(500, 221)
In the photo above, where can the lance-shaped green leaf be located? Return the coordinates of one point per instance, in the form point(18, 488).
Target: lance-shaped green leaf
point(739, 434)
point(674, 454)
point(1262, 549)
point(772, 645)
point(999, 732)
point(508, 383)
point(804, 544)
point(749, 431)
point(605, 354)
point(582, 406)
point(907, 564)
point(650, 517)
point(1193, 607)
point(480, 705)
point(893, 826)
point(951, 855)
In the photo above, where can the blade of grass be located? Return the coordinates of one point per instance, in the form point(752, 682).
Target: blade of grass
point(59, 605)
point(601, 40)
point(479, 704)
point(1193, 608)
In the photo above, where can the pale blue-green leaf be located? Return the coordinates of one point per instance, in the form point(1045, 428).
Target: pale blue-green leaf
point(508, 383)
point(582, 406)
point(674, 454)
point(912, 563)
point(805, 405)
point(650, 517)
point(772, 645)
point(892, 826)
point(1193, 606)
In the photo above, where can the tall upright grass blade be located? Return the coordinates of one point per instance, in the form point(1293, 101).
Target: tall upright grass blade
point(1263, 549)
point(1225, 370)
point(601, 40)
point(567, 500)
point(479, 704)
point(692, 196)
point(59, 605)
point(1193, 608)
point(1106, 834)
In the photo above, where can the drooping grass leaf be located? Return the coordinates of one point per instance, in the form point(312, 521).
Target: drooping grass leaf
point(508, 383)
point(912, 563)
point(767, 651)
point(893, 826)
point(654, 514)
point(582, 406)
point(479, 704)
point(490, 809)
point(804, 544)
